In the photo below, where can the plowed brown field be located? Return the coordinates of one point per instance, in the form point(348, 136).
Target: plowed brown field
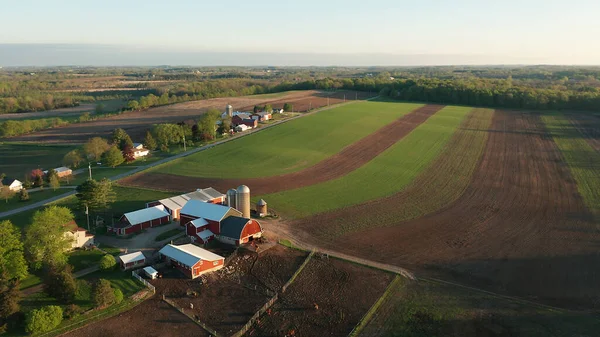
point(138, 122)
point(348, 160)
point(520, 227)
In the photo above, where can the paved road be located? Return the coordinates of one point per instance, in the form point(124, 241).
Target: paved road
point(166, 160)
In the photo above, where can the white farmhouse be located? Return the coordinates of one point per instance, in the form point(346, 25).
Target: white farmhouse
point(139, 150)
point(13, 184)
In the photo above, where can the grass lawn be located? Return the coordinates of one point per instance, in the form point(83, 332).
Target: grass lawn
point(168, 234)
point(97, 173)
point(291, 146)
point(386, 174)
point(18, 159)
point(583, 160)
point(34, 197)
point(81, 258)
point(428, 308)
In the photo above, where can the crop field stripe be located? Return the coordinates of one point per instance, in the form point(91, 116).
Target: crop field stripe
point(349, 159)
point(441, 184)
point(292, 146)
point(582, 159)
point(385, 175)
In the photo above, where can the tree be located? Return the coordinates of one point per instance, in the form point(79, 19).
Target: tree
point(23, 195)
point(6, 193)
point(95, 147)
point(167, 134)
point(107, 262)
point(51, 173)
point(99, 108)
point(207, 124)
point(225, 125)
point(54, 182)
point(60, 283)
point(12, 259)
point(9, 298)
point(113, 157)
point(118, 296)
point(43, 319)
point(103, 294)
point(256, 109)
point(287, 107)
point(268, 108)
point(45, 238)
point(38, 177)
point(121, 138)
point(149, 141)
point(133, 105)
point(97, 195)
point(73, 158)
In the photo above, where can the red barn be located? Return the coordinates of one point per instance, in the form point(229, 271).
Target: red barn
point(132, 260)
point(134, 222)
point(207, 221)
point(191, 260)
point(249, 122)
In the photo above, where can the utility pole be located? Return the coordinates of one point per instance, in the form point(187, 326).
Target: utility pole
point(90, 170)
point(184, 147)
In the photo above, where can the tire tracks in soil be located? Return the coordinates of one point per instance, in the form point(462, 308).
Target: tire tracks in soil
point(349, 159)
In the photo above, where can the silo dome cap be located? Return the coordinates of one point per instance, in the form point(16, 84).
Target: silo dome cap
point(262, 202)
point(243, 189)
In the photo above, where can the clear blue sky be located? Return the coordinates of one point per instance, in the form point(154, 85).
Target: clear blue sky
point(509, 31)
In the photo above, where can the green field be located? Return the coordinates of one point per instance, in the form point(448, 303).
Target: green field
point(386, 174)
point(34, 197)
point(292, 146)
point(18, 159)
point(429, 308)
point(583, 160)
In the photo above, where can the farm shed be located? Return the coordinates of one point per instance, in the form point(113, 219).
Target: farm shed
point(192, 260)
point(241, 128)
point(151, 272)
point(262, 116)
point(132, 260)
point(211, 213)
point(236, 230)
point(134, 222)
point(61, 171)
point(249, 122)
point(174, 205)
point(13, 184)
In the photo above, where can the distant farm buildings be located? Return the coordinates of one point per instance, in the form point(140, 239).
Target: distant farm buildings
point(132, 260)
point(139, 150)
point(61, 171)
point(249, 122)
point(192, 260)
point(13, 184)
point(174, 205)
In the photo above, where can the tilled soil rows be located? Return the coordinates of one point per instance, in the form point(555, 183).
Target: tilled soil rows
point(521, 227)
point(138, 122)
point(338, 165)
point(328, 298)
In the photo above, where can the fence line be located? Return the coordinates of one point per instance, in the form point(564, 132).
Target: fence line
point(135, 274)
point(256, 315)
point(193, 318)
point(289, 282)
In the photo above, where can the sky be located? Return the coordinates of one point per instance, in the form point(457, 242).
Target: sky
point(303, 32)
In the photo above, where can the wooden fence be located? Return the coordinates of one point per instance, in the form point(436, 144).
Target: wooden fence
point(289, 282)
point(193, 318)
point(135, 273)
point(256, 315)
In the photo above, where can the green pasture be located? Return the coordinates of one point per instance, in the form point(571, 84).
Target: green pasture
point(291, 146)
point(18, 159)
point(386, 174)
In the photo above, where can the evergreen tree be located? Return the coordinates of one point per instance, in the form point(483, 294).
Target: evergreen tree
point(103, 294)
point(113, 157)
point(60, 283)
point(149, 141)
point(23, 195)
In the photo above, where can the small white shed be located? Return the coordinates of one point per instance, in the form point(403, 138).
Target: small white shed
point(151, 272)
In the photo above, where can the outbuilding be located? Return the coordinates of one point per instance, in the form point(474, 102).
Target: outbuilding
point(151, 272)
point(132, 260)
point(134, 222)
point(192, 260)
point(174, 204)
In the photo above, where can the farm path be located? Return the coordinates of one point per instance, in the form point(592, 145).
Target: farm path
point(349, 159)
point(520, 228)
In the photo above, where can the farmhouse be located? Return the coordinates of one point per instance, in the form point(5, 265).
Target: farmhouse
point(207, 221)
point(13, 184)
point(139, 150)
point(262, 116)
point(249, 122)
point(61, 171)
point(133, 222)
point(132, 260)
point(173, 205)
point(81, 238)
point(191, 260)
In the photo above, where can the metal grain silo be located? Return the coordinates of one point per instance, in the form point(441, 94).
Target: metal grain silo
point(231, 197)
point(243, 200)
point(229, 110)
point(261, 208)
